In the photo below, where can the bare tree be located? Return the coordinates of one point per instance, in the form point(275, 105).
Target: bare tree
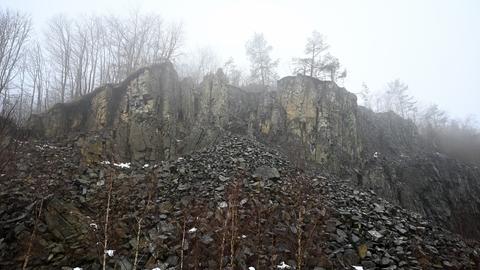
point(313, 63)
point(80, 59)
point(59, 46)
point(315, 46)
point(172, 41)
point(20, 85)
point(434, 117)
point(366, 96)
point(262, 66)
point(333, 68)
point(139, 40)
point(35, 72)
point(14, 32)
point(95, 31)
point(398, 100)
point(234, 75)
point(199, 63)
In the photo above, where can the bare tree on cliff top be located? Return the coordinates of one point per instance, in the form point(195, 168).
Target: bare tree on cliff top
point(261, 64)
point(315, 46)
point(313, 63)
point(333, 69)
point(398, 100)
point(234, 75)
point(14, 31)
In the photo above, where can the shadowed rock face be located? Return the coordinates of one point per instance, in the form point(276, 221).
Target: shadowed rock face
point(154, 116)
point(135, 116)
point(150, 116)
point(400, 166)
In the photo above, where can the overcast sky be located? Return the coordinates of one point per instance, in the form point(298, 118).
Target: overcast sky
point(432, 45)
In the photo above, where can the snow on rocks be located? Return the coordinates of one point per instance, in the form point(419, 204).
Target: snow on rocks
point(122, 165)
point(283, 265)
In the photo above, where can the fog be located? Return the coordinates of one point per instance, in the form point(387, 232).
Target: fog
point(432, 46)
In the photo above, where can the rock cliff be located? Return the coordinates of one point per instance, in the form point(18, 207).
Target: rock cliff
point(404, 168)
point(154, 116)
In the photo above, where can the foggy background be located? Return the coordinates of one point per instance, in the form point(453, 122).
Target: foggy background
point(432, 46)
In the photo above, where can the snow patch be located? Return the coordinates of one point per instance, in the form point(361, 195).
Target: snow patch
point(244, 201)
point(223, 205)
point(283, 265)
point(45, 146)
point(122, 165)
point(110, 252)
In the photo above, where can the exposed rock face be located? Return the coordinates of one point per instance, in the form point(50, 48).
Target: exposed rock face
point(136, 114)
point(150, 116)
point(321, 117)
point(154, 116)
point(406, 170)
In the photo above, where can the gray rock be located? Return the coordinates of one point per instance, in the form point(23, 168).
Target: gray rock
point(350, 257)
point(386, 261)
point(355, 238)
point(206, 239)
point(266, 173)
point(376, 235)
point(172, 260)
point(368, 264)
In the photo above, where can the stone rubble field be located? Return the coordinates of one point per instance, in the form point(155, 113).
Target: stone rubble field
point(235, 205)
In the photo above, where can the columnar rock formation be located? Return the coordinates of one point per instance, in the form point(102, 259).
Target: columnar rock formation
point(154, 116)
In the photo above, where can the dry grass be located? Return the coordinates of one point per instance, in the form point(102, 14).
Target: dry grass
point(32, 237)
point(105, 232)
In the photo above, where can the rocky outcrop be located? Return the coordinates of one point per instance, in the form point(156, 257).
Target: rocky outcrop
point(135, 115)
point(154, 116)
point(150, 116)
point(402, 167)
point(317, 116)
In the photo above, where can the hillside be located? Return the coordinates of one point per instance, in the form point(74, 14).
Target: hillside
point(238, 195)
point(211, 176)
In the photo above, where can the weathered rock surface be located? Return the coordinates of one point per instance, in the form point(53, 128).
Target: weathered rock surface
point(321, 117)
point(402, 168)
point(152, 116)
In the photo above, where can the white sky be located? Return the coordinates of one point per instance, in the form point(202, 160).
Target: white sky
point(432, 45)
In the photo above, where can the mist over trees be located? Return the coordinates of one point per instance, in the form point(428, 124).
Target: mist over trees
point(262, 66)
point(318, 62)
point(459, 138)
point(72, 56)
point(14, 32)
